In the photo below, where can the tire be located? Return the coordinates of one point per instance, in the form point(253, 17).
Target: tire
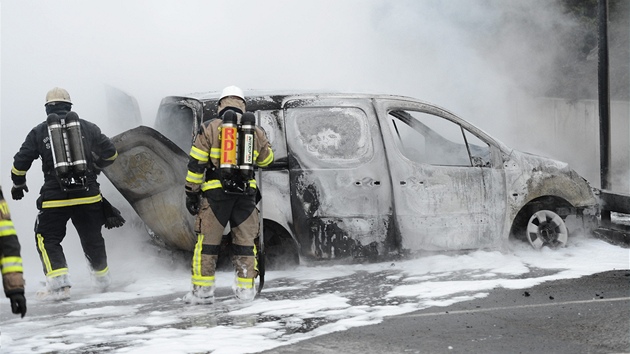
point(546, 228)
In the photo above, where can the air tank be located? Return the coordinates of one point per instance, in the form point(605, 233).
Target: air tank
point(75, 142)
point(228, 163)
point(58, 145)
point(246, 139)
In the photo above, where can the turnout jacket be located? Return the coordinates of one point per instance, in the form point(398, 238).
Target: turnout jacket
point(10, 260)
point(205, 157)
point(99, 153)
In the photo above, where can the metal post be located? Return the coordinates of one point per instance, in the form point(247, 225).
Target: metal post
point(261, 234)
point(604, 99)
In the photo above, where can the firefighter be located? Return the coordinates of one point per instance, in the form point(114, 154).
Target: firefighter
point(218, 191)
point(72, 151)
point(10, 261)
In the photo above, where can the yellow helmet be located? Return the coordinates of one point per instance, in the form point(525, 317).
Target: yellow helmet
point(57, 94)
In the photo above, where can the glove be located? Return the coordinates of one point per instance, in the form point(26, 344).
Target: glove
point(113, 218)
point(18, 303)
point(17, 192)
point(192, 202)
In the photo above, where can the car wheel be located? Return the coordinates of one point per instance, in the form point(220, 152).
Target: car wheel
point(546, 228)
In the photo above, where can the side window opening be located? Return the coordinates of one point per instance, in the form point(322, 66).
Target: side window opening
point(426, 138)
point(479, 150)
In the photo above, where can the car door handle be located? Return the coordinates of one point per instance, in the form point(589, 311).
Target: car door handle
point(404, 183)
point(367, 181)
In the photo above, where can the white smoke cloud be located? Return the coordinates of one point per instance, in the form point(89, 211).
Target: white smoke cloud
point(465, 55)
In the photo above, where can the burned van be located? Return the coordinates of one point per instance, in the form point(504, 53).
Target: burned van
point(361, 176)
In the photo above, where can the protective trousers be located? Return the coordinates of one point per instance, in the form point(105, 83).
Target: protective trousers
point(50, 230)
point(216, 209)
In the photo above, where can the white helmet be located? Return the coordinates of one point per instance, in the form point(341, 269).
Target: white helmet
point(232, 91)
point(57, 94)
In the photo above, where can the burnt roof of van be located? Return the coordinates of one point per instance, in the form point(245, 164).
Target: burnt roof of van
point(265, 100)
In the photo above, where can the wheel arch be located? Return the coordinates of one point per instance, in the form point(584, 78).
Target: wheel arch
point(281, 249)
point(557, 204)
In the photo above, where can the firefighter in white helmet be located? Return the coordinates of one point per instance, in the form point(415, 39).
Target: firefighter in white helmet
point(220, 188)
point(73, 152)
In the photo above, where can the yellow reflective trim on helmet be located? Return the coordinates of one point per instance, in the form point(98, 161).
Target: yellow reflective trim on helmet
point(71, 202)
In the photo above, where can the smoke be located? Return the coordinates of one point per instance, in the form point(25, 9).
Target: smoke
point(475, 57)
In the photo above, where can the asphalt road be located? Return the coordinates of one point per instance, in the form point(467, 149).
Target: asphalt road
point(585, 315)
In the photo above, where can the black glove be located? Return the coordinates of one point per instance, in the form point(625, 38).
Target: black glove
point(192, 202)
point(113, 218)
point(17, 192)
point(18, 303)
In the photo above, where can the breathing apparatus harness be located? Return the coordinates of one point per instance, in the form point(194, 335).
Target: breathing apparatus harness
point(237, 153)
point(70, 164)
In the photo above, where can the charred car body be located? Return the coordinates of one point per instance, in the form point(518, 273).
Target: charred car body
point(361, 176)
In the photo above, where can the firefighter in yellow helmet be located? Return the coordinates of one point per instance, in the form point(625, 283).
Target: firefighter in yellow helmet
point(220, 188)
point(73, 151)
point(10, 261)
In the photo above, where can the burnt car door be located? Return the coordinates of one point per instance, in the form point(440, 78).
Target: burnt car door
point(340, 187)
point(448, 180)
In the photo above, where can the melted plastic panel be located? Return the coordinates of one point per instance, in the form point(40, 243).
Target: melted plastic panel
point(150, 172)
